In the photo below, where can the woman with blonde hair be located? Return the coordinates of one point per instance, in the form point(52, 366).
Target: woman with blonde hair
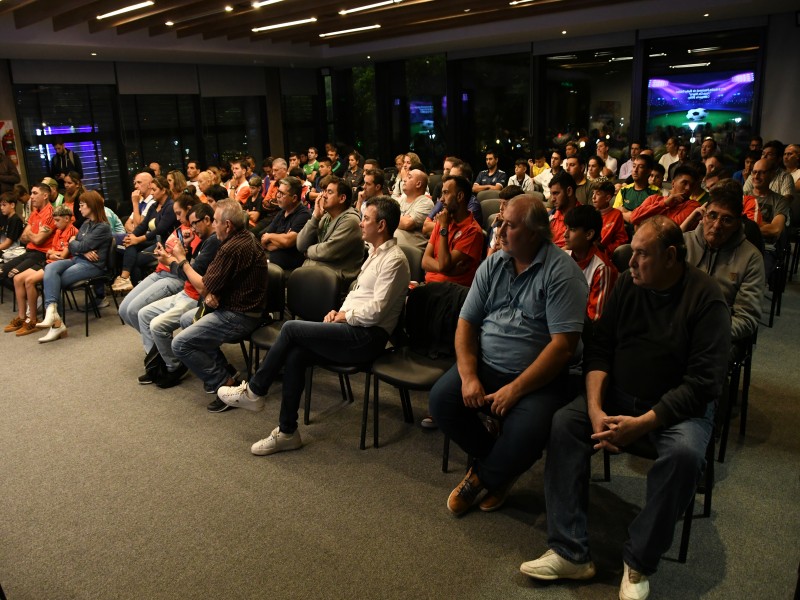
point(89, 250)
point(177, 183)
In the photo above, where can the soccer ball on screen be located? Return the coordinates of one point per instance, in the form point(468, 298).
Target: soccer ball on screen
point(697, 114)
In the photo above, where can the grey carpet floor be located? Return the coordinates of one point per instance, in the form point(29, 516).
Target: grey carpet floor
point(113, 490)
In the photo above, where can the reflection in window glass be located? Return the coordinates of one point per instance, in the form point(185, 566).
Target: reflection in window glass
point(231, 129)
point(495, 108)
point(365, 122)
point(589, 98)
point(426, 89)
point(702, 86)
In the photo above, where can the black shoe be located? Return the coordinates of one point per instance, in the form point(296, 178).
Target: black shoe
point(148, 378)
point(154, 373)
point(218, 406)
point(172, 378)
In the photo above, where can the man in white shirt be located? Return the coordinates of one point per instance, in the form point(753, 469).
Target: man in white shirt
point(610, 170)
point(141, 199)
point(543, 178)
point(671, 154)
point(414, 207)
point(626, 169)
point(361, 327)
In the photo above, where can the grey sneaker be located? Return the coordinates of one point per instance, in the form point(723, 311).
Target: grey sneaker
point(551, 566)
point(241, 396)
point(634, 585)
point(277, 442)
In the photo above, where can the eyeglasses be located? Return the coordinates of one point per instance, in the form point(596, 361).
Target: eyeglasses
point(193, 224)
point(713, 217)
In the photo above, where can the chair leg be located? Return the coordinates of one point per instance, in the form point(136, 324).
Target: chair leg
point(342, 389)
point(709, 482)
point(745, 394)
point(365, 413)
point(375, 415)
point(687, 530)
point(309, 377)
point(733, 392)
point(405, 401)
point(350, 397)
point(446, 454)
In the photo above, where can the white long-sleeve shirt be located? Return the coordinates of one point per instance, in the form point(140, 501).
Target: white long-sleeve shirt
point(378, 297)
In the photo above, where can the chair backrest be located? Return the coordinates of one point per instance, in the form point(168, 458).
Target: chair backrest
point(489, 207)
point(111, 259)
point(539, 196)
point(312, 292)
point(432, 317)
point(414, 258)
point(276, 290)
point(622, 256)
point(433, 182)
point(753, 233)
point(488, 194)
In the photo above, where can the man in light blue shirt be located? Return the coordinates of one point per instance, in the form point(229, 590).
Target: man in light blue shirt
point(518, 329)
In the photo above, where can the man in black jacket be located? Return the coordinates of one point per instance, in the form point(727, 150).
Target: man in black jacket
point(63, 162)
point(654, 369)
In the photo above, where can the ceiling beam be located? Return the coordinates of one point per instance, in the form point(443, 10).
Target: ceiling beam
point(137, 19)
point(31, 12)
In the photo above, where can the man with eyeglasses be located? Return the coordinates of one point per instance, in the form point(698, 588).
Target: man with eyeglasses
point(780, 181)
point(159, 319)
point(280, 239)
point(774, 207)
point(716, 243)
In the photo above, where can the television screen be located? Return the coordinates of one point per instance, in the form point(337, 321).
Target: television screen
point(691, 100)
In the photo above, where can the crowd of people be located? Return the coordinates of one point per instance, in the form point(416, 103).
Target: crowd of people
point(651, 345)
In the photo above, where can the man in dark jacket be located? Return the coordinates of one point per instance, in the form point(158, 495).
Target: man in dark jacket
point(654, 369)
point(63, 162)
point(9, 175)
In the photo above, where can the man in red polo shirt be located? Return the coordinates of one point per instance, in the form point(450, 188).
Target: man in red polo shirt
point(37, 235)
point(454, 250)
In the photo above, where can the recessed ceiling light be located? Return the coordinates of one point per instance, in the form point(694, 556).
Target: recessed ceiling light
point(169, 23)
point(347, 11)
point(564, 32)
point(228, 8)
point(94, 53)
point(368, 57)
point(706, 15)
point(282, 25)
point(348, 31)
point(114, 13)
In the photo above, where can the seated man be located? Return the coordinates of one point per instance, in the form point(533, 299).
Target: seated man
point(562, 195)
point(775, 212)
point(517, 330)
point(677, 206)
point(454, 251)
point(158, 320)
point(584, 224)
point(356, 333)
point(331, 237)
point(280, 239)
point(235, 287)
point(520, 178)
point(613, 234)
point(543, 178)
point(459, 167)
point(506, 194)
point(11, 226)
point(632, 195)
point(654, 369)
point(414, 207)
point(141, 200)
point(716, 244)
point(37, 235)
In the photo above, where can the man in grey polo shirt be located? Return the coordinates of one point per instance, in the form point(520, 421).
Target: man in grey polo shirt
point(518, 329)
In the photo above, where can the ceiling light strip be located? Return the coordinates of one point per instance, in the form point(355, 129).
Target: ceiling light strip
point(282, 25)
point(114, 13)
point(347, 11)
point(348, 31)
point(265, 3)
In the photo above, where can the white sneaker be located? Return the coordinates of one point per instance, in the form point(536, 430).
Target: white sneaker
point(634, 585)
point(551, 566)
point(277, 442)
point(122, 284)
point(240, 396)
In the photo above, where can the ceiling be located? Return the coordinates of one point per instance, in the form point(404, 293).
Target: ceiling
point(206, 31)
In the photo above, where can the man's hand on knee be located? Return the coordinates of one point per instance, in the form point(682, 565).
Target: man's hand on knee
point(473, 393)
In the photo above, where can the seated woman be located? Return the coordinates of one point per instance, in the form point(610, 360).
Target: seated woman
point(158, 221)
point(177, 183)
point(72, 191)
point(161, 283)
point(89, 249)
point(25, 282)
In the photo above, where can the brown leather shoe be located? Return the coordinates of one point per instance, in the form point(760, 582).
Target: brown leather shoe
point(464, 495)
point(26, 329)
point(15, 324)
point(494, 499)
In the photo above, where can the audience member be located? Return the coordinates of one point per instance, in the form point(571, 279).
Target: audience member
point(576, 167)
point(37, 235)
point(518, 328)
point(361, 326)
point(543, 178)
point(626, 169)
point(414, 207)
point(9, 174)
point(11, 226)
point(63, 162)
point(506, 194)
point(780, 181)
point(677, 206)
point(631, 195)
point(492, 178)
point(520, 178)
point(683, 158)
point(613, 233)
point(280, 239)
point(562, 193)
point(774, 209)
point(609, 167)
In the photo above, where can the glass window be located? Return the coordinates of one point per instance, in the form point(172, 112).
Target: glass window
point(701, 86)
point(495, 108)
point(83, 117)
point(365, 120)
point(426, 93)
point(588, 98)
point(232, 129)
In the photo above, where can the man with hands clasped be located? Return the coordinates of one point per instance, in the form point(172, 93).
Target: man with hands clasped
point(517, 331)
point(654, 368)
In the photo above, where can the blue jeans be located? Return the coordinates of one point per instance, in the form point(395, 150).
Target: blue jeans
point(63, 273)
point(153, 287)
point(671, 481)
point(198, 345)
point(526, 426)
point(159, 319)
point(304, 343)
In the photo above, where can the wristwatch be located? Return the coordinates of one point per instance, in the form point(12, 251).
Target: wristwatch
point(443, 231)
